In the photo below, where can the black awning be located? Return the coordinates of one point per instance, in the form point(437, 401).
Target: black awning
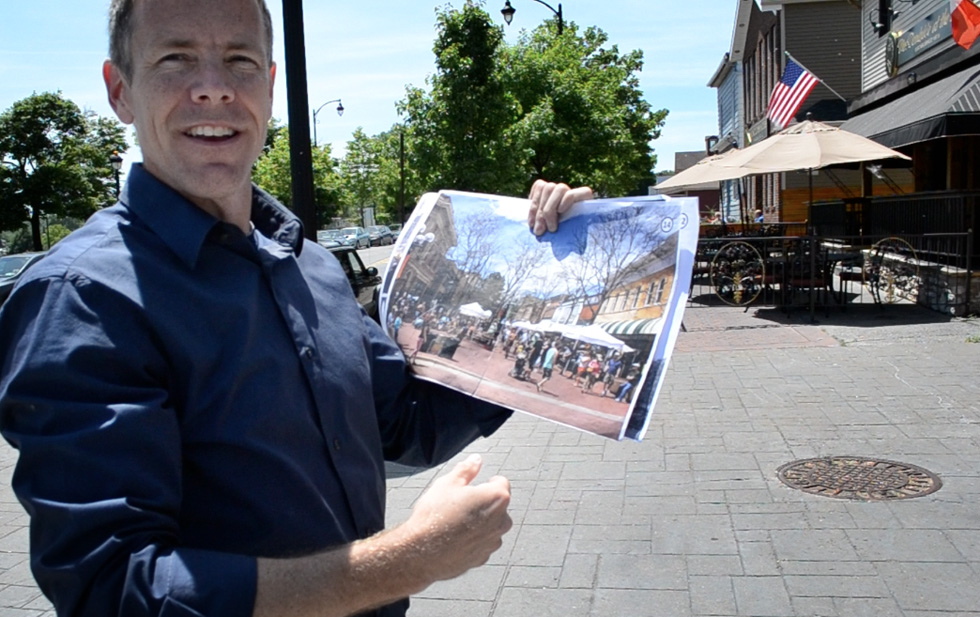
point(948, 107)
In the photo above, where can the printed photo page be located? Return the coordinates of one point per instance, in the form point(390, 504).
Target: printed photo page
point(574, 326)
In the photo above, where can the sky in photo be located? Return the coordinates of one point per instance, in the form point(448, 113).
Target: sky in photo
point(365, 53)
point(570, 248)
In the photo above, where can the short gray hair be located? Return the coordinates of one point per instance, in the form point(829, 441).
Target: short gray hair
point(121, 33)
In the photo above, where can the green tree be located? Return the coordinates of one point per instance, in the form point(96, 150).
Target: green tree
point(272, 131)
point(272, 173)
point(582, 118)
point(497, 117)
point(54, 160)
point(392, 168)
point(458, 125)
point(359, 169)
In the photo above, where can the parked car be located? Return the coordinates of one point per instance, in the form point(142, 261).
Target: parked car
point(330, 238)
point(357, 237)
point(380, 235)
point(12, 267)
point(396, 228)
point(365, 281)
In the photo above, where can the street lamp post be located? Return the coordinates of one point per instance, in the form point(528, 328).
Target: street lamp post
point(116, 162)
point(340, 112)
point(508, 13)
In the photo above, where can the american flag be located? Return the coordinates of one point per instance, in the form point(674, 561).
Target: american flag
point(792, 89)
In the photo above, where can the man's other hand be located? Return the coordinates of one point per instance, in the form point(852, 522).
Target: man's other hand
point(461, 524)
point(549, 200)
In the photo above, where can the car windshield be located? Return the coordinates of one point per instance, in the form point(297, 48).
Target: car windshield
point(11, 265)
point(329, 234)
point(350, 231)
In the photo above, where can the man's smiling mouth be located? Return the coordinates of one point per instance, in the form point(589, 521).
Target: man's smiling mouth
point(211, 132)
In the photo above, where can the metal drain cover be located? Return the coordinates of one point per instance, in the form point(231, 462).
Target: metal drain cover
point(855, 477)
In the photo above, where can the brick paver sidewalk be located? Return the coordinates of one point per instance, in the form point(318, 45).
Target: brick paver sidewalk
point(694, 522)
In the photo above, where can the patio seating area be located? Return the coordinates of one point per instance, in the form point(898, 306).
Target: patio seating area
point(816, 274)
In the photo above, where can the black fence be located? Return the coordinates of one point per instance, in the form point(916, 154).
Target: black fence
point(821, 273)
point(869, 218)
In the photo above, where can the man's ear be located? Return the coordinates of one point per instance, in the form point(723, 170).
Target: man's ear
point(117, 89)
point(272, 79)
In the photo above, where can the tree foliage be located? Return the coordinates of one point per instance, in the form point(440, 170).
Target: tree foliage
point(359, 169)
point(54, 160)
point(496, 117)
point(582, 118)
point(459, 125)
point(272, 173)
point(395, 170)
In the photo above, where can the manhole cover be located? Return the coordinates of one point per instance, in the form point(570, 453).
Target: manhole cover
point(855, 477)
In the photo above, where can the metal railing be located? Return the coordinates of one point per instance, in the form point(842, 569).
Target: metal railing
point(825, 273)
point(941, 212)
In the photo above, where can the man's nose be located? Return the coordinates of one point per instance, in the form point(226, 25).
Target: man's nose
point(213, 83)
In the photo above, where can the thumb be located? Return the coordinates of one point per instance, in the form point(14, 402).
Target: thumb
point(464, 472)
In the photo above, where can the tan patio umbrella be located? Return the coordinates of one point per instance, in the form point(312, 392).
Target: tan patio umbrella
point(807, 145)
point(708, 169)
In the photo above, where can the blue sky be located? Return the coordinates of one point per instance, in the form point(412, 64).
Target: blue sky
point(366, 52)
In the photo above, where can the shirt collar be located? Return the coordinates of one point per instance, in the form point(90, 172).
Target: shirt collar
point(184, 227)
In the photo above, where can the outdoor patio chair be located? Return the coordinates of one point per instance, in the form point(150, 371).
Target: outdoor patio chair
point(849, 271)
point(814, 275)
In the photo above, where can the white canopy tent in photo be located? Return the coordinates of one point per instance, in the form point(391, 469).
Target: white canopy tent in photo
point(594, 335)
point(473, 309)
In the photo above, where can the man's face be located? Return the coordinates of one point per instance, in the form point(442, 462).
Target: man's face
point(200, 95)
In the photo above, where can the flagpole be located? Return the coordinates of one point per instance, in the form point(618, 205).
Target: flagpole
point(815, 75)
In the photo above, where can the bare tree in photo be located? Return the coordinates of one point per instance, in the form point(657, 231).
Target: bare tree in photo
point(531, 257)
point(612, 255)
point(474, 256)
point(474, 248)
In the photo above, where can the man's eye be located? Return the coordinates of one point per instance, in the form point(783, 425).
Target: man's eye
point(172, 58)
point(243, 61)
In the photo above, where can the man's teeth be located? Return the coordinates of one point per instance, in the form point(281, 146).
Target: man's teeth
point(210, 131)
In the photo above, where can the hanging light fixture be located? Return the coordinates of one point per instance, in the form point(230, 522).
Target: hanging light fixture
point(508, 12)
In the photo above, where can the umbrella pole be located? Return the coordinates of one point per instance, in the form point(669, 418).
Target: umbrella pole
point(742, 206)
point(813, 244)
point(809, 205)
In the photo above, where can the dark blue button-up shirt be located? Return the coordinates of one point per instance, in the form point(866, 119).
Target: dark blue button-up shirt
point(186, 398)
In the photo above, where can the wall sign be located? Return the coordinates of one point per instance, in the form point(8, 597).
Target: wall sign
point(935, 28)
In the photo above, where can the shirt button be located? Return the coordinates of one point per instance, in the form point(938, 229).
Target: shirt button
point(307, 352)
point(336, 445)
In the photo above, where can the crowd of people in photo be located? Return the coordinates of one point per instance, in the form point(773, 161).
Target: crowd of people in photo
point(428, 319)
point(537, 356)
point(586, 364)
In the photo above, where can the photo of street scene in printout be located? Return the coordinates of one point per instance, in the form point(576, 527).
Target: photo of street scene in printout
point(574, 326)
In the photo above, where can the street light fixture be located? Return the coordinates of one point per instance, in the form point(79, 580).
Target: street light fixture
point(340, 112)
point(116, 161)
point(508, 13)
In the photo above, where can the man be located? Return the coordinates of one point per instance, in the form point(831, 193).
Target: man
point(547, 365)
point(201, 407)
point(609, 374)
